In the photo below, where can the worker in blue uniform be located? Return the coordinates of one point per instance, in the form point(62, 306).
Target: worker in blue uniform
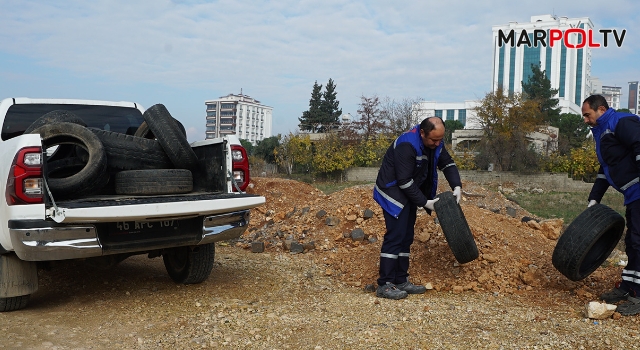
point(407, 180)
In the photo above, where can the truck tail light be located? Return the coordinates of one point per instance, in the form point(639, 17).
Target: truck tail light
point(240, 167)
point(25, 184)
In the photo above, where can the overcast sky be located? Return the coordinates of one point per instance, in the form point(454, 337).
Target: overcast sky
point(182, 53)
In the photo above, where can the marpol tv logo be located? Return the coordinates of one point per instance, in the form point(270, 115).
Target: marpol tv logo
point(583, 38)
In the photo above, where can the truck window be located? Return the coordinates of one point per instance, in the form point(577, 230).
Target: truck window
point(119, 119)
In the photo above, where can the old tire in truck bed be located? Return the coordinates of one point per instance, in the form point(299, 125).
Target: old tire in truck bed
point(57, 116)
point(144, 131)
point(126, 152)
point(587, 242)
point(93, 176)
point(190, 265)
point(170, 137)
point(455, 228)
point(153, 181)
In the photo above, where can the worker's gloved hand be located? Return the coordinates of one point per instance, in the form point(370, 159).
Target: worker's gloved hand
point(592, 203)
point(430, 204)
point(457, 194)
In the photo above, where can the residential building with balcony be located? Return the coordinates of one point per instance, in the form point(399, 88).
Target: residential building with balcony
point(240, 115)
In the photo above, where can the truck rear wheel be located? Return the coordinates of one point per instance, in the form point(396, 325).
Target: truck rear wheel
point(14, 303)
point(190, 265)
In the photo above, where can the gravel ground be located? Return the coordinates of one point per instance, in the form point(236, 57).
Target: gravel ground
point(278, 300)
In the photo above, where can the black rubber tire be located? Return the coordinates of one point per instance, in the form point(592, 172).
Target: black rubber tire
point(57, 116)
point(93, 176)
point(587, 242)
point(65, 167)
point(190, 265)
point(14, 303)
point(126, 152)
point(455, 228)
point(153, 181)
point(168, 134)
point(144, 131)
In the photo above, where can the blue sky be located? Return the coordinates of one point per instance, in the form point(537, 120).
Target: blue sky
point(181, 53)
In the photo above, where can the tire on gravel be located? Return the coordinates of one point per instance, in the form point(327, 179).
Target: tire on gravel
point(455, 228)
point(153, 182)
point(168, 134)
point(189, 265)
point(144, 131)
point(14, 303)
point(93, 176)
point(57, 116)
point(126, 152)
point(587, 242)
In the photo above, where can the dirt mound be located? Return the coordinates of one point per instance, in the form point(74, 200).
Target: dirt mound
point(344, 232)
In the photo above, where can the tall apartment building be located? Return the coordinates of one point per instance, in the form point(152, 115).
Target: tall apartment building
point(241, 115)
point(611, 93)
point(568, 69)
point(634, 97)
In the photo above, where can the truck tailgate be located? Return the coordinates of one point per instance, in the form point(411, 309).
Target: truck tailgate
point(122, 208)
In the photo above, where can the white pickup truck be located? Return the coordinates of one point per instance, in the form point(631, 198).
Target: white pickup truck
point(35, 226)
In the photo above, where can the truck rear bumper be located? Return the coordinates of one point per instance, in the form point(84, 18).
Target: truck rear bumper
point(40, 240)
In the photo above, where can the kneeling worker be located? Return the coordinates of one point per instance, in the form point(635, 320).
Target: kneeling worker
point(408, 179)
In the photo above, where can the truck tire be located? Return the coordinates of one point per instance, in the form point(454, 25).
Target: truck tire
point(57, 116)
point(144, 131)
point(93, 176)
point(587, 242)
point(14, 303)
point(126, 152)
point(153, 181)
point(455, 228)
point(168, 134)
point(189, 265)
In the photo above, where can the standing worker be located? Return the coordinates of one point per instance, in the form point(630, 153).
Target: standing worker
point(408, 179)
point(617, 136)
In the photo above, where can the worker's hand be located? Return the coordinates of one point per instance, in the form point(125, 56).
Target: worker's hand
point(457, 194)
point(592, 203)
point(430, 204)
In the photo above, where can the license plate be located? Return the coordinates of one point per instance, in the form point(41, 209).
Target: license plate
point(134, 227)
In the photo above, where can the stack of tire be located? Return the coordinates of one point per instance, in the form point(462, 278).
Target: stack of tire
point(156, 160)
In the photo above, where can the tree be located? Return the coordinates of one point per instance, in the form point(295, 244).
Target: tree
point(323, 114)
point(369, 123)
point(626, 110)
point(401, 116)
point(538, 88)
point(449, 127)
point(248, 146)
point(294, 150)
point(265, 148)
point(312, 119)
point(573, 132)
point(329, 106)
point(506, 120)
point(332, 155)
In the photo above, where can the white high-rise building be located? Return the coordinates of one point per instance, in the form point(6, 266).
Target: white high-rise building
point(241, 115)
point(568, 69)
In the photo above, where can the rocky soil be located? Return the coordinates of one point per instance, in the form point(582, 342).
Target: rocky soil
point(308, 288)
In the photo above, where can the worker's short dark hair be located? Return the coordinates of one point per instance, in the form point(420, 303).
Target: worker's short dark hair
point(427, 125)
point(595, 101)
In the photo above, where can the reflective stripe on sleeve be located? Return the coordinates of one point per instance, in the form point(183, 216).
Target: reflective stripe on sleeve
point(390, 256)
point(630, 183)
point(407, 185)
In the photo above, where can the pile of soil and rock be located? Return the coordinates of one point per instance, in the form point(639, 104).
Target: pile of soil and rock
point(343, 233)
